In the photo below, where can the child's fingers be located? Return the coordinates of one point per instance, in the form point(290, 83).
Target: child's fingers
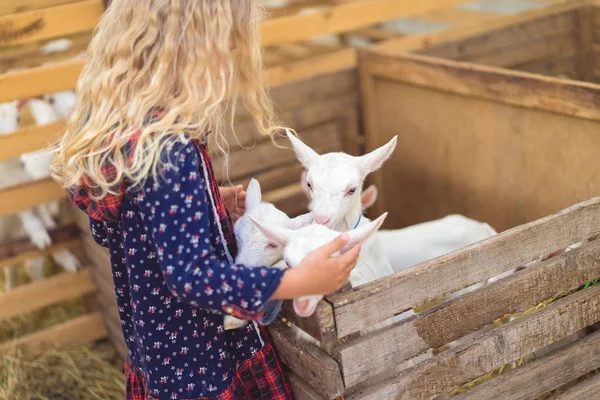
point(334, 246)
point(350, 258)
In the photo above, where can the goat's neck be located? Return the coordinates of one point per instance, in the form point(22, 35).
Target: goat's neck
point(350, 220)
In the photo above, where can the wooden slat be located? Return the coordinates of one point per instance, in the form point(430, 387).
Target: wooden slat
point(12, 7)
point(564, 64)
point(507, 38)
point(366, 358)
point(434, 279)
point(343, 18)
point(528, 52)
point(37, 295)
point(75, 332)
point(545, 374)
point(454, 15)
point(309, 362)
point(584, 390)
point(30, 194)
point(302, 390)
point(17, 251)
point(490, 351)
point(478, 27)
point(336, 61)
point(38, 81)
point(510, 87)
point(323, 138)
point(320, 325)
point(50, 22)
point(585, 36)
point(274, 178)
point(29, 139)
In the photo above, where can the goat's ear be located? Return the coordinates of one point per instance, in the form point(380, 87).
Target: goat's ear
point(275, 233)
point(305, 154)
point(375, 159)
point(304, 184)
point(301, 221)
point(368, 197)
point(364, 232)
point(253, 195)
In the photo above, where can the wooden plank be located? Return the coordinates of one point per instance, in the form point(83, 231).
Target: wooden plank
point(585, 31)
point(323, 138)
point(509, 87)
point(584, 390)
point(75, 332)
point(557, 65)
point(10, 7)
point(49, 23)
point(27, 195)
point(434, 279)
point(38, 81)
point(302, 390)
point(343, 18)
point(546, 374)
point(275, 178)
point(510, 37)
point(335, 61)
point(320, 325)
point(29, 139)
point(478, 27)
point(37, 295)
point(366, 358)
point(528, 52)
point(16, 251)
point(309, 362)
point(490, 351)
point(454, 15)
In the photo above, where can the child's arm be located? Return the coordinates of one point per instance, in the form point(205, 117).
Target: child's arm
point(177, 213)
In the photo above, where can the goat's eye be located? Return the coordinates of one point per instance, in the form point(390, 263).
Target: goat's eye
point(351, 192)
point(272, 246)
point(309, 185)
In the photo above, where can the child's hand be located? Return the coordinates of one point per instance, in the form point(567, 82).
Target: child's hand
point(234, 198)
point(319, 272)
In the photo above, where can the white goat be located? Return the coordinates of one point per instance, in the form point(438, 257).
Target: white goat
point(32, 165)
point(254, 248)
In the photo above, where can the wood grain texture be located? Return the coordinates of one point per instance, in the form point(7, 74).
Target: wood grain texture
point(585, 390)
point(320, 325)
point(16, 251)
point(37, 295)
point(366, 358)
point(309, 362)
point(302, 390)
point(585, 45)
point(29, 139)
point(58, 21)
point(490, 351)
point(10, 7)
point(27, 195)
point(357, 309)
point(501, 39)
point(81, 330)
point(478, 27)
point(546, 374)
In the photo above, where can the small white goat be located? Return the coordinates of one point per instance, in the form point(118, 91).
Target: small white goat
point(254, 248)
point(32, 165)
point(335, 182)
point(300, 242)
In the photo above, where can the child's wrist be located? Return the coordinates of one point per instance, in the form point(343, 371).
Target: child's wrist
point(291, 285)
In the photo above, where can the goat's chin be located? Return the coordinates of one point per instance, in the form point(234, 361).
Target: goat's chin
point(305, 306)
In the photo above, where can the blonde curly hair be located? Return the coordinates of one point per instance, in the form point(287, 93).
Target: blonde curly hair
point(190, 58)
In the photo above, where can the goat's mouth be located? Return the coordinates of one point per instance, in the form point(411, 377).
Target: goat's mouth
point(304, 307)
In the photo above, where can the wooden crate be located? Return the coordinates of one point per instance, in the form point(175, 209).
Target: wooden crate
point(26, 27)
point(483, 142)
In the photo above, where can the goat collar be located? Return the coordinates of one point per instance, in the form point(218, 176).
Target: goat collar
point(357, 222)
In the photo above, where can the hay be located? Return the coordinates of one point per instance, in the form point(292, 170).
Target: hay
point(83, 373)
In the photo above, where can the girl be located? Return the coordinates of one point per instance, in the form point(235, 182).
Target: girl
point(161, 79)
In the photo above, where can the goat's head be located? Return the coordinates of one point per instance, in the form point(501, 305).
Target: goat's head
point(367, 197)
point(335, 180)
point(63, 102)
point(300, 242)
point(254, 248)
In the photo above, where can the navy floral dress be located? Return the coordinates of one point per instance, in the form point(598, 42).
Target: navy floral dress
point(172, 249)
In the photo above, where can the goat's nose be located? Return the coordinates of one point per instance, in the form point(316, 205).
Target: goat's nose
point(321, 219)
